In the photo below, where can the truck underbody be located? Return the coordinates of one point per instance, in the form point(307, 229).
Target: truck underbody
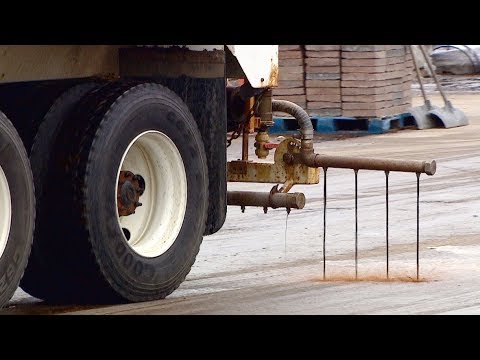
point(43, 90)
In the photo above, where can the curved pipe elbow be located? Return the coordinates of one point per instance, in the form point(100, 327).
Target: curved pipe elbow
point(303, 119)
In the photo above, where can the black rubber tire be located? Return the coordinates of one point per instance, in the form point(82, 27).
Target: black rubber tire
point(42, 272)
point(95, 261)
point(16, 167)
point(206, 100)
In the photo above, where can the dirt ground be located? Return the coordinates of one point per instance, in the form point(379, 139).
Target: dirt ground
point(272, 264)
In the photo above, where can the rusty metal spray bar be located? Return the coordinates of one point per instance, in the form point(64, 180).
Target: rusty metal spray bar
point(363, 163)
point(266, 200)
point(300, 159)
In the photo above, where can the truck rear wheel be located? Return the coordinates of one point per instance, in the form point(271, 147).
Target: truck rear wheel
point(42, 272)
point(17, 209)
point(127, 144)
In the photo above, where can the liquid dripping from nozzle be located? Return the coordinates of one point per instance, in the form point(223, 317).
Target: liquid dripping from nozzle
point(356, 224)
point(286, 228)
point(386, 218)
point(324, 217)
point(418, 226)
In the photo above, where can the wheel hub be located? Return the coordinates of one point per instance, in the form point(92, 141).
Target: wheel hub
point(155, 226)
point(129, 189)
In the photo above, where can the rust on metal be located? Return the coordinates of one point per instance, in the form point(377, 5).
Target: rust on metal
point(273, 78)
point(237, 167)
point(129, 189)
point(273, 199)
point(277, 173)
point(245, 143)
point(364, 163)
point(255, 123)
point(246, 127)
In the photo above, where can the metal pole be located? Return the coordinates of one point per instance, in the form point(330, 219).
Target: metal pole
point(364, 163)
point(434, 75)
point(419, 76)
point(265, 199)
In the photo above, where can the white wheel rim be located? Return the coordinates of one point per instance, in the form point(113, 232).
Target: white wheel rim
point(156, 224)
point(5, 211)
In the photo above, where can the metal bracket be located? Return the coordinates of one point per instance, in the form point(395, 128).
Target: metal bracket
point(279, 172)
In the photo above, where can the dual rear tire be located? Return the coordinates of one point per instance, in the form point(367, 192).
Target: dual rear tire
point(17, 209)
point(83, 250)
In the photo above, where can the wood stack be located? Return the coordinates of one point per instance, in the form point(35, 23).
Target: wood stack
point(349, 80)
point(408, 78)
point(322, 80)
point(291, 75)
point(375, 80)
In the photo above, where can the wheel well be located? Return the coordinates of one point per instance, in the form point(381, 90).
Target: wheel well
point(26, 103)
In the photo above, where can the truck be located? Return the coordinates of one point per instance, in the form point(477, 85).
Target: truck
point(113, 162)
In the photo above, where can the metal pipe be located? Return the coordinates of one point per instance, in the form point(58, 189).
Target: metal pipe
point(470, 53)
point(265, 109)
point(434, 75)
point(246, 130)
point(358, 163)
point(303, 119)
point(419, 77)
point(265, 199)
point(311, 159)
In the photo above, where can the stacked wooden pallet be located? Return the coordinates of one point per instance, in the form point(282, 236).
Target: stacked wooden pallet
point(322, 80)
point(349, 80)
point(408, 78)
point(375, 80)
point(291, 85)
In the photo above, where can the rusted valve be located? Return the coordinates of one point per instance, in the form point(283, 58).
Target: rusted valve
point(261, 140)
